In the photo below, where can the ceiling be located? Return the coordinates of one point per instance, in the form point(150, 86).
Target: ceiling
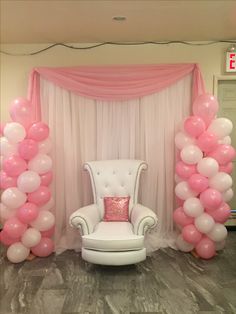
point(75, 21)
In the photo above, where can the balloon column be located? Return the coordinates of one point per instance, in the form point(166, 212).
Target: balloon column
point(24, 179)
point(203, 179)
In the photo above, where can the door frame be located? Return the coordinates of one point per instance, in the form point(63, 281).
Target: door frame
point(218, 78)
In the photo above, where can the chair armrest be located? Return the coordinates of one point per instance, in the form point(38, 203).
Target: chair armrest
point(142, 219)
point(85, 219)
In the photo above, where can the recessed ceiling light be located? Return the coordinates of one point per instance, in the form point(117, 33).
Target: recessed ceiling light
point(119, 18)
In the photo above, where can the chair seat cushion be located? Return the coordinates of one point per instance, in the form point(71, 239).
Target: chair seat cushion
point(113, 236)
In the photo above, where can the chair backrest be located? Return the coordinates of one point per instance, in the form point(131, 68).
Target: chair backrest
point(115, 178)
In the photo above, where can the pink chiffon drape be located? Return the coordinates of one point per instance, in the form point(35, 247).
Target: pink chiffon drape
point(113, 82)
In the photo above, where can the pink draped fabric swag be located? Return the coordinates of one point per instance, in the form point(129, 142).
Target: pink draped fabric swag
point(113, 82)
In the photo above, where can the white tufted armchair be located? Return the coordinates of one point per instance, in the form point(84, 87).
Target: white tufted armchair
point(114, 243)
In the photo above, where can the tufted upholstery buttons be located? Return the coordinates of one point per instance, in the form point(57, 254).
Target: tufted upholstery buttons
point(114, 178)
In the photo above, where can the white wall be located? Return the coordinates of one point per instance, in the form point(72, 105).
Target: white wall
point(15, 69)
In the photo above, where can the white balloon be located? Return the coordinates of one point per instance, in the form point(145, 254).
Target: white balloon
point(44, 221)
point(221, 127)
point(14, 132)
point(204, 223)
point(191, 154)
point(41, 163)
point(49, 205)
point(45, 146)
point(221, 181)
point(28, 181)
point(227, 195)
point(220, 245)
point(208, 167)
point(6, 213)
point(218, 232)
point(193, 207)
point(182, 245)
point(183, 191)
point(7, 149)
point(13, 197)
point(31, 237)
point(225, 140)
point(182, 140)
point(17, 252)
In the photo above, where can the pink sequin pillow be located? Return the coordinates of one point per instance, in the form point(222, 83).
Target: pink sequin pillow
point(116, 208)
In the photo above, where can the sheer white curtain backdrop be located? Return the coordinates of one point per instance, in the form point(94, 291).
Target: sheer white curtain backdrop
point(84, 129)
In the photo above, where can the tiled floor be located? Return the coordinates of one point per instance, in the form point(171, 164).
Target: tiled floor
point(167, 282)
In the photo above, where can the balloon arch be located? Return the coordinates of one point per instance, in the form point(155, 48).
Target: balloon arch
point(28, 223)
point(202, 175)
point(203, 179)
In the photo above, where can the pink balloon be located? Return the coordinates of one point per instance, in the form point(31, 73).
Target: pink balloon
point(211, 198)
point(184, 170)
point(28, 149)
point(38, 131)
point(198, 183)
point(191, 234)
point(206, 248)
point(207, 142)
point(44, 248)
point(223, 154)
point(194, 126)
point(14, 166)
point(7, 181)
point(221, 214)
point(46, 178)
point(206, 107)
point(20, 111)
point(228, 168)
point(6, 239)
point(14, 227)
point(27, 213)
point(41, 196)
point(181, 218)
point(48, 233)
